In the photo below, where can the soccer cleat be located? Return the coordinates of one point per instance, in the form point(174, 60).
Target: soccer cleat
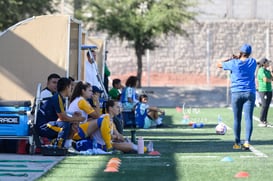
point(236, 146)
point(245, 146)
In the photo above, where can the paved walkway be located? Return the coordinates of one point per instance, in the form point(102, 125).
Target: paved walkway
point(14, 167)
point(190, 96)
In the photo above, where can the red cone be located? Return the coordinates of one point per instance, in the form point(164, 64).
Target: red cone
point(241, 175)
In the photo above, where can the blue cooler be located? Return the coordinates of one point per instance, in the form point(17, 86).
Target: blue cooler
point(14, 118)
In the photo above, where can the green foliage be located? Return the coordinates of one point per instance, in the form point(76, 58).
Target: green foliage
point(140, 22)
point(13, 11)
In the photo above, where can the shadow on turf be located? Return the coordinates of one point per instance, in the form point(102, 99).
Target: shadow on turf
point(197, 146)
point(189, 142)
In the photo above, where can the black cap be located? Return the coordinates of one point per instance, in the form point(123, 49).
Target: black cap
point(96, 89)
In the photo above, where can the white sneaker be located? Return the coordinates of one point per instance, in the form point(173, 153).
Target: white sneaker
point(269, 125)
point(150, 146)
point(72, 150)
point(262, 124)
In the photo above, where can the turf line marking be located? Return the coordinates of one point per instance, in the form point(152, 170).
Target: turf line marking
point(141, 157)
point(257, 152)
point(199, 156)
point(249, 156)
point(251, 148)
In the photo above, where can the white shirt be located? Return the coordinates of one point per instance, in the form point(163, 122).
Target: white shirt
point(91, 74)
point(73, 107)
point(45, 94)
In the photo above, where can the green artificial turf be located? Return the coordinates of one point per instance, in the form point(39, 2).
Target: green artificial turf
point(187, 154)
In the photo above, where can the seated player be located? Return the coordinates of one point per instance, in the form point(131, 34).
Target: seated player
point(128, 100)
point(104, 132)
point(79, 103)
point(147, 116)
point(116, 90)
point(51, 87)
point(52, 119)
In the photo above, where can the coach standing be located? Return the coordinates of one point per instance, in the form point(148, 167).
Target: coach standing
point(242, 69)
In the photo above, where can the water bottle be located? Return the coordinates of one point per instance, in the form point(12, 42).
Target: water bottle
point(186, 119)
point(140, 145)
point(219, 119)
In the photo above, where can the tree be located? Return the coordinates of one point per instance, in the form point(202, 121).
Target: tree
point(140, 22)
point(13, 11)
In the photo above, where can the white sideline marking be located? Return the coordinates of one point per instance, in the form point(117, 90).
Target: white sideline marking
point(142, 157)
point(199, 156)
point(257, 152)
point(251, 148)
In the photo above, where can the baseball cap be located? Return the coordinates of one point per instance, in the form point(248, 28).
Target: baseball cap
point(263, 61)
point(96, 89)
point(246, 48)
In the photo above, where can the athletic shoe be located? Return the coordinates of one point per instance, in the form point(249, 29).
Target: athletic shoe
point(245, 146)
point(236, 146)
point(72, 150)
point(269, 125)
point(262, 124)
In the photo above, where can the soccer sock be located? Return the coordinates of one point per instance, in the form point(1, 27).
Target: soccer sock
point(68, 143)
point(158, 120)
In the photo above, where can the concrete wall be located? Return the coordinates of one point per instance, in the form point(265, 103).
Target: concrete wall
point(190, 55)
point(229, 24)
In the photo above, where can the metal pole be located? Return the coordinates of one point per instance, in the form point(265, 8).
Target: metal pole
point(227, 86)
point(267, 44)
point(208, 56)
point(148, 66)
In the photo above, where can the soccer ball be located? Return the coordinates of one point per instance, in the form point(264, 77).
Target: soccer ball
point(221, 129)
